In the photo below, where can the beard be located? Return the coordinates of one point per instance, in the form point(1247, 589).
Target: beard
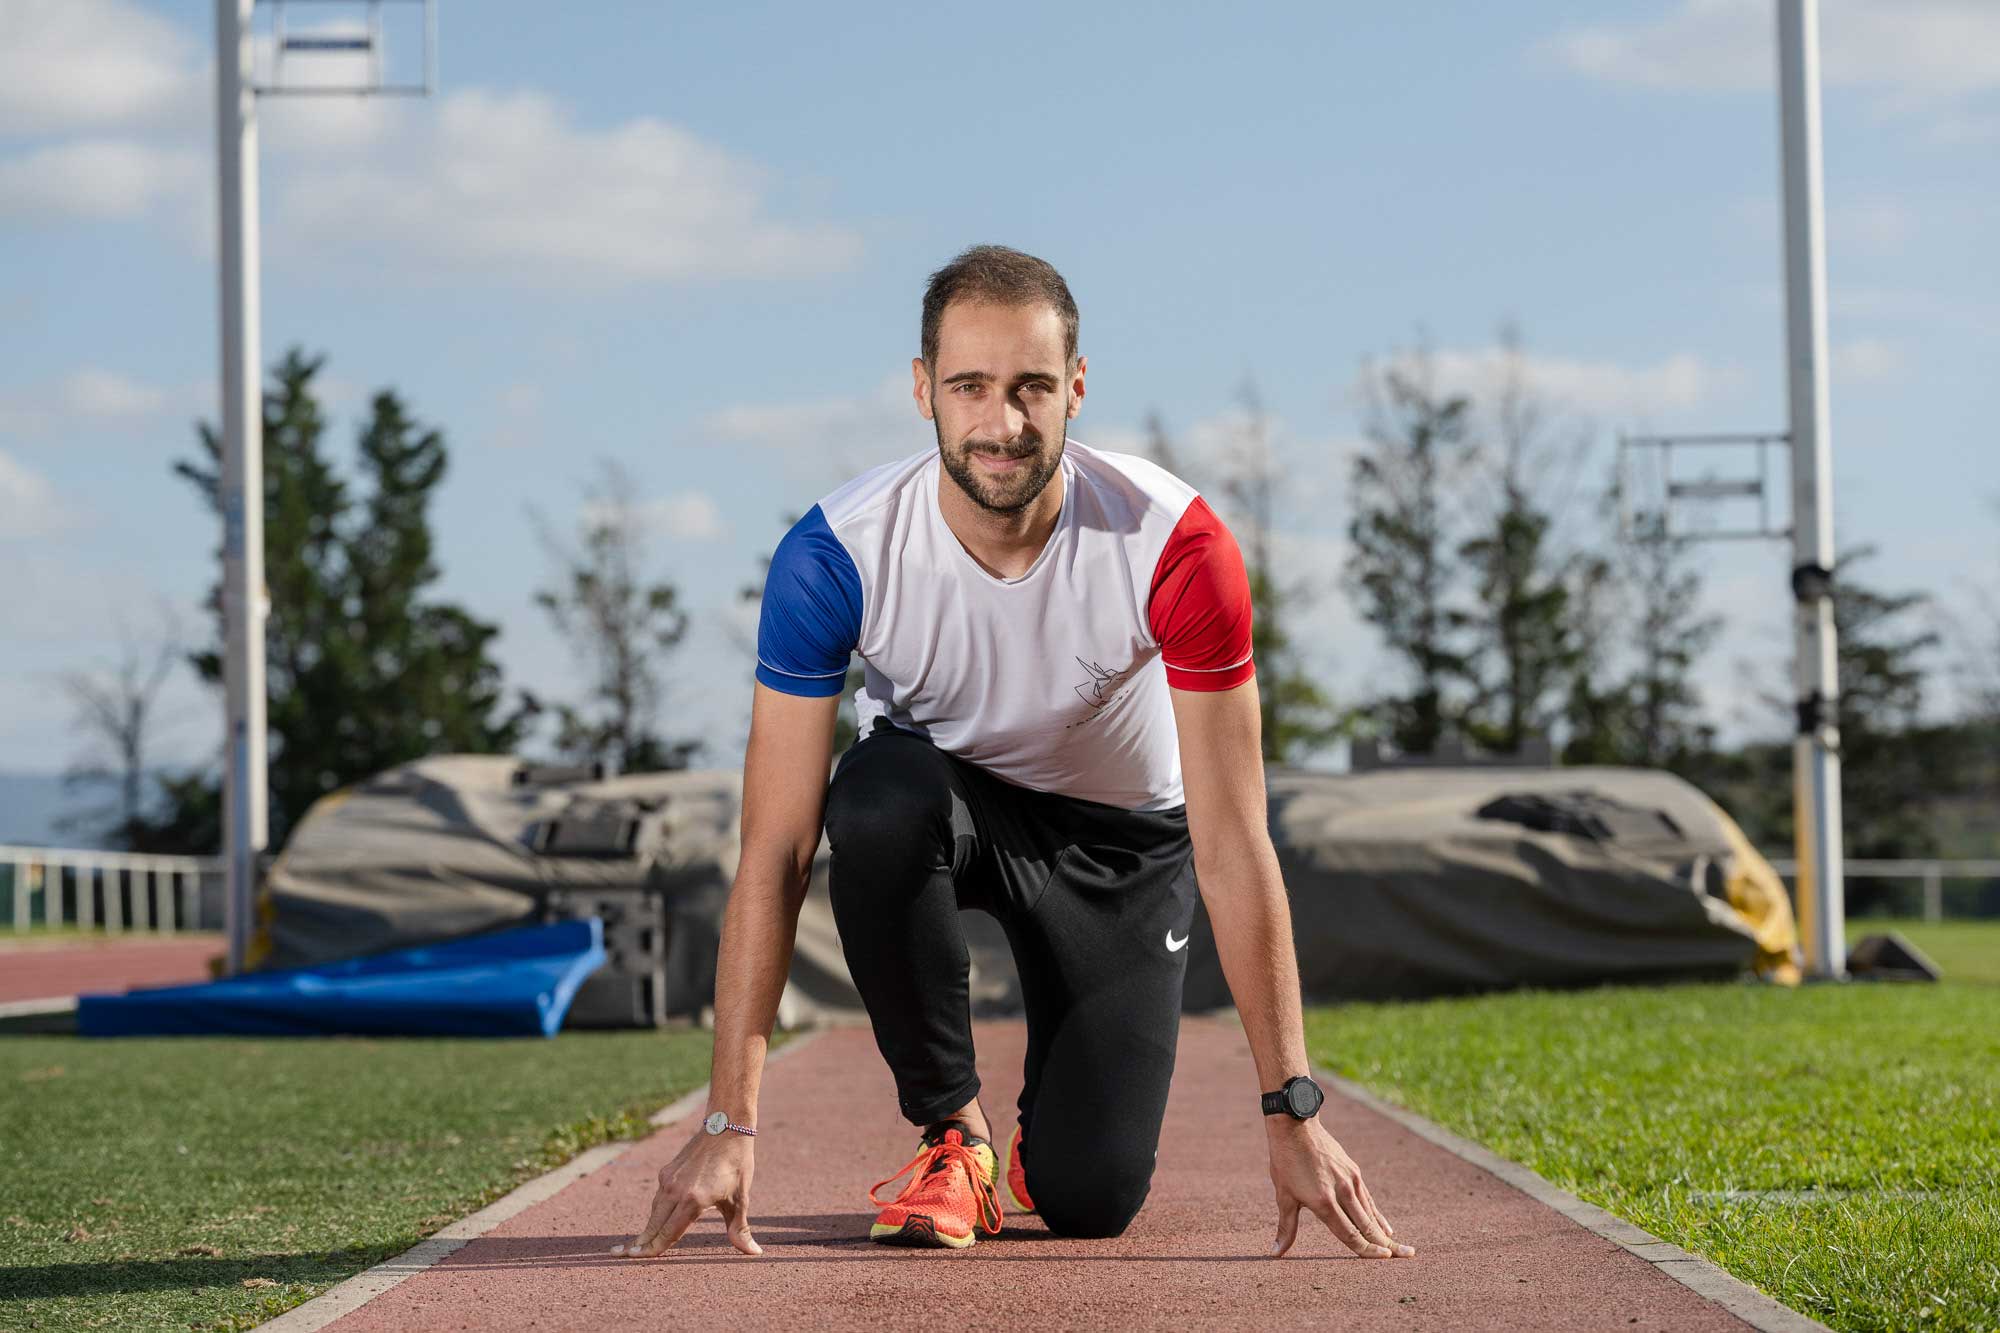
point(1001, 492)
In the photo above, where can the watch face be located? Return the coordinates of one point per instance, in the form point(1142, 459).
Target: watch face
point(716, 1122)
point(1304, 1097)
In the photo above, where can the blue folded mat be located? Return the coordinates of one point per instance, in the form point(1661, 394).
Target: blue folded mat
point(509, 983)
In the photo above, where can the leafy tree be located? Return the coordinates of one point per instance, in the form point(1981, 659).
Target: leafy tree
point(1641, 600)
point(619, 628)
point(1524, 646)
point(1400, 568)
point(362, 672)
point(1670, 635)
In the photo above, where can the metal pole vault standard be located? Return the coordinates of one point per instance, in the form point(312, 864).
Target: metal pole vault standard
point(1816, 747)
point(245, 601)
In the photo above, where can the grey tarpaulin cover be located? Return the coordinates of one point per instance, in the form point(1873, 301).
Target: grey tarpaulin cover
point(1398, 885)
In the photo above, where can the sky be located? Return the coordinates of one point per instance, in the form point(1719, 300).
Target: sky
point(694, 239)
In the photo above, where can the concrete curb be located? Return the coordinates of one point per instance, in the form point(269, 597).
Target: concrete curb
point(358, 1290)
point(37, 1008)
point(1733, 1294)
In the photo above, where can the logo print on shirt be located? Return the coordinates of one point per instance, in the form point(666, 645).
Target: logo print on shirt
point(1174, 945)
point(1092, 690)
point(1103, 688)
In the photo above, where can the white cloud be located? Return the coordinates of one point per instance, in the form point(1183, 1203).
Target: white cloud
point(96, 179)
point(91, 398)
point(28, 509)
point(690, 516)
point(1925, 48)
point(104, 393)
point(80, 65)
point(502, 185)
point(494, 183)
point(1601, 387)
point(1922, 60)
point(825, 442)
point(1869, 361)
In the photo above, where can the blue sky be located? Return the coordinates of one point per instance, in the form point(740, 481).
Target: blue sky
point(694, 239)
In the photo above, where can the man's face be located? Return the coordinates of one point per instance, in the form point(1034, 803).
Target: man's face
point(1000, 397)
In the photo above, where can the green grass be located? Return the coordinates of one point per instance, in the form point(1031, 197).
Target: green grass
point(148, 1181)
point(1836, 1146)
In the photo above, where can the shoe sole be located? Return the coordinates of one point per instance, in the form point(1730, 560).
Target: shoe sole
point(1007, 1181)
point(919, 1231)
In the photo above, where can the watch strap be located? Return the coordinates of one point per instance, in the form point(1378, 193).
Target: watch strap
point(1274, 1103)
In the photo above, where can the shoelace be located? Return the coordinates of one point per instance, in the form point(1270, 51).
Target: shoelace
point(949, 1153)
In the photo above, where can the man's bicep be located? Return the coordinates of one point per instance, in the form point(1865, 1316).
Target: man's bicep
point(1222, 763)
point(785, 771)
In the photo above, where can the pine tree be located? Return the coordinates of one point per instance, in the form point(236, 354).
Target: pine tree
point(1895, 765)
point(361, 672)
point(1400, 568)
point(1526, 649)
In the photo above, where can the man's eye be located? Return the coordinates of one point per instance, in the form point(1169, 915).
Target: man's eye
point(963, 387)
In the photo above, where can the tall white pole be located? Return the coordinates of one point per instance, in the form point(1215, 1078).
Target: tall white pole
point(1816, 748)
point(245, 602)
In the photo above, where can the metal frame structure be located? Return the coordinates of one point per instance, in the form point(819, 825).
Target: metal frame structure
point(369, 41)
point(1816, 741)
point(246, 601)
point(1706, 488)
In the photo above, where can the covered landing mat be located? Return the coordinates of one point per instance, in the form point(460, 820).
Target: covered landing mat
point(1488, 1256)
point(509, 983)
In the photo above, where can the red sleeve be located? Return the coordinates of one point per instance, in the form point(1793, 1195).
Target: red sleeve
point(1200, 604)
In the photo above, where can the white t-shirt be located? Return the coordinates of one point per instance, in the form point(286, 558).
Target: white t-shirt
point(1056, 680)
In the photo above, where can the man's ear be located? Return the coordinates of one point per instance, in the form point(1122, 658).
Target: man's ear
point(1076, 387)
point(920, 388)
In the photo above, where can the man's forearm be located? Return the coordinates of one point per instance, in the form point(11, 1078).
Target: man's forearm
point(752, 960)
point(1244, 892)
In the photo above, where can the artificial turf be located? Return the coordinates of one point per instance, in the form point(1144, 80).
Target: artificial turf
point(198, 1183)
point(1837, 1146)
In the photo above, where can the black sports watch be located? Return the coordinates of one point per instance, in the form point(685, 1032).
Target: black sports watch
point(1300, 1098)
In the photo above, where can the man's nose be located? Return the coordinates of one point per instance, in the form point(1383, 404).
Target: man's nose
point(1004, 419)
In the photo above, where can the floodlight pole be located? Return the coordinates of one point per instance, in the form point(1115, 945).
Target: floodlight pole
point(245, 600)
point(1816, 747)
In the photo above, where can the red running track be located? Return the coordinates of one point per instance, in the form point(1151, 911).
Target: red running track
point(1489, 1256)
point(36, 972)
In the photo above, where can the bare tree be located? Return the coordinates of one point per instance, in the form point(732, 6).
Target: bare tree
point(1297, 715)
point(116, 711)
point(617, 626)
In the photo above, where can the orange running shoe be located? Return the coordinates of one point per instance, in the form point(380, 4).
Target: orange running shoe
point(1017, 1176)
point(949, 1199)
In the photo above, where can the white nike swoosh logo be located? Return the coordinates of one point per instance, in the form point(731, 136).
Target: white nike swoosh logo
point(1174, 944)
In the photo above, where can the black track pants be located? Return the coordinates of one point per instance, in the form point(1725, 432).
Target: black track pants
point(1091, 897)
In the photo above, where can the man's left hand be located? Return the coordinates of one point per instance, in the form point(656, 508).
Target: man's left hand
point(1311, 1170)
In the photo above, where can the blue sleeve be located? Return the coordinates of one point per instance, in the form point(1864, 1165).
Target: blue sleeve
point(810, 620)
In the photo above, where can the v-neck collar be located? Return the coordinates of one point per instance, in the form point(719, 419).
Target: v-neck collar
point(1068, 474)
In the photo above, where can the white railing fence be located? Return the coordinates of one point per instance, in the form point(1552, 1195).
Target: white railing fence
point(1932, 873)
point(114, 891)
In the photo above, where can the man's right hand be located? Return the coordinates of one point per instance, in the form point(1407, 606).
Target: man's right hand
point(712, 1171)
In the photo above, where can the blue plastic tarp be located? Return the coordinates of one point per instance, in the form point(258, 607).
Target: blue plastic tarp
point(509, 983)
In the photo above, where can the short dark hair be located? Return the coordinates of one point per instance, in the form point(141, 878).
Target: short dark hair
point(1005, 277)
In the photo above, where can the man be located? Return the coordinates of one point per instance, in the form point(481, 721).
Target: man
point(1060, 727)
